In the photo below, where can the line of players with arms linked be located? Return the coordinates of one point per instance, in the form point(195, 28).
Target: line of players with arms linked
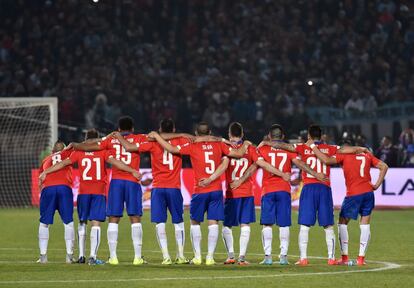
point(210, 157)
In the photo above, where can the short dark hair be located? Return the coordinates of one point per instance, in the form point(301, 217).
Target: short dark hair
point(91, 134)
point(59, 145)
point(345, 142)
point(315, 131)
point(167, 125)
point(236, 129)
point(126, 123)
point(203, 129)
point(276, 132)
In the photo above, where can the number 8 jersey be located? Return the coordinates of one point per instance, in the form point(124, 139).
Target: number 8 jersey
point(307, 156)
point(131, 159)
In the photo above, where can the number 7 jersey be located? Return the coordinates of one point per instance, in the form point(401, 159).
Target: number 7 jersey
point(307, 156)
point(132, 159)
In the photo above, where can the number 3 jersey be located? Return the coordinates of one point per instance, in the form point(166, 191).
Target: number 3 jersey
point(131, 159)
point(280, 159)
point(166, 167)
point(61, 177)
point(309, 158)
point(205, 158)
point(357, 171)
point(92, 170)
point(236, 169)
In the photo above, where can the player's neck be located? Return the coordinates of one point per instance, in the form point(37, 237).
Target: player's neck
point(124, 133)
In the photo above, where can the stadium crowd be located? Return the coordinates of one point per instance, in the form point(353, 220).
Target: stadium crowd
point(215, 61)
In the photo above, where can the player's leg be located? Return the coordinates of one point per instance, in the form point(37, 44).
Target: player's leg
point(307, 218)
point(83, 207)
point(65, 208)
point(159, 216)
point(198, 206)
point(215, 213)
point(175, 206)
point(367, 205)
point(48, 206)
point(232, 208)
point(133, 203)
point(268, 219)
point(97, 216)
point(248, 215)
point(115, 209)
point(326, 220)
point(284, 221)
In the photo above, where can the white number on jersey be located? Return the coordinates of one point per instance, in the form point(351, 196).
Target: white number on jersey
point(313, 163)
point(212, 166)
point(243, 163)
point(88, 163)
point(273, 159)
point(362, 167)
point(167, 159)
point(122, 154)
point(56, 159)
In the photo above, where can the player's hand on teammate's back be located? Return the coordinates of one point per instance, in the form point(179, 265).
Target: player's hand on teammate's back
point(374, 187)
point(153, 134)
point(286, 177)
point(137, 175)
point(235, 184)
point(322, 177)
point(204, 182)
point(42, 177)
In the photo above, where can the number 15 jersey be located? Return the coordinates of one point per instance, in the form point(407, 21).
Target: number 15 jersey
point(307, 156)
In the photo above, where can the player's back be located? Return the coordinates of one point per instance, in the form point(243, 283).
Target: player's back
point(357, 171)
point(92, 170)
point(205, 158)
point(61, 177)
point(131, 159)
point(316, 164)
point(166, 167)
point(280, 159)
point(236, 169)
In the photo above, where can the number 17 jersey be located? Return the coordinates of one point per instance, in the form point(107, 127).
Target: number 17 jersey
point(307, 156)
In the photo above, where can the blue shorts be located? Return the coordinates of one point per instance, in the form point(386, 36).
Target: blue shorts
point(362, 204)
point(239, 211)
point(211, 202)
point(163, 199)
point(54, 198)
point(124, 193)
point(91, 207)
point(316, 199)
point(276, 209)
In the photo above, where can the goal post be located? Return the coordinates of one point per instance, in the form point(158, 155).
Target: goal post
point(28, 129)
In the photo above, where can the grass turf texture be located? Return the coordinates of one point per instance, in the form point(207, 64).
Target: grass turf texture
point(392, 234)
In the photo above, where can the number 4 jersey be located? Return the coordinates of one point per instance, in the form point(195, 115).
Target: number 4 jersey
point(131, 159)
point(307, 156)
point(92, 170)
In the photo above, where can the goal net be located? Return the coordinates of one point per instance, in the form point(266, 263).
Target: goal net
point(28, 129)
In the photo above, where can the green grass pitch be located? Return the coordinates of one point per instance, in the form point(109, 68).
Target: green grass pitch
point(390, 258)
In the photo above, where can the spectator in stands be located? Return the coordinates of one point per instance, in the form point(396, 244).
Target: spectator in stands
point(387, 152)
point(407, 146)
point(354, 104)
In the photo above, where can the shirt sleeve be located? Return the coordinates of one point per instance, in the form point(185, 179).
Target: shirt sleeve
point(103, 144)
point(225, 149)
point(256, 154)
point(66, 153)
point(374, 160)
point(339, 158)
point(74, 156)
point(145, 146)
point(109, 154)
point(293, 155)
point(185, 149)
point(333, 149)
point(298, 148)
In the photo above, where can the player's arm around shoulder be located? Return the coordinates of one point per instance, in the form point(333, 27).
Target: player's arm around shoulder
point(305, 167)
point(164, 144)
point(236, 153)
point(128, 146)
point(328, 160)
point(279, 145)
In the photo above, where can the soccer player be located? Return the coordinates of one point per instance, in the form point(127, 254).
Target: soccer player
point(205, 157)
point(359, 195)
point(124, 189)
point(56, 194)
point(276, 198)
point(316, 196)
point(91, 201)
point(166, 191)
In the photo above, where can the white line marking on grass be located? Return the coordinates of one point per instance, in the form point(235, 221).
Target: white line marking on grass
point(386, 266)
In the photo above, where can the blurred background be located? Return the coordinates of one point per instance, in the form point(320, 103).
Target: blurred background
point(347, 65)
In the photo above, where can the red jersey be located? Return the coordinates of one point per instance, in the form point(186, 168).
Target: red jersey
point(309, 158)
point(92, 170)
point(205, 158)
point(131, 159)
point(61, 177)
point(166, 167)
point(236, 170)
point(280, 159)
point(357, 171)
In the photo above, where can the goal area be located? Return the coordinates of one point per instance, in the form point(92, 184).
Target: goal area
point(28, 129)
